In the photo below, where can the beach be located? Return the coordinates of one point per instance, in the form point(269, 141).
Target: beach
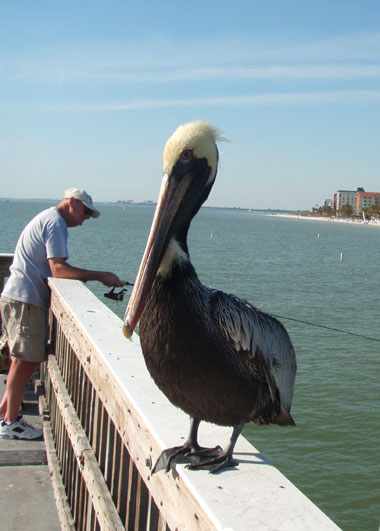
point(372, 223)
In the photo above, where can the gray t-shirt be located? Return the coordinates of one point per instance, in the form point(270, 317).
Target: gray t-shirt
point(44, 237)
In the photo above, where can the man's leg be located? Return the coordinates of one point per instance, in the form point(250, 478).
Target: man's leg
point(26, 328)
point(19, 375)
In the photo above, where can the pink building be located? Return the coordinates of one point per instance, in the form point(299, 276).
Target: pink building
point(365, 200)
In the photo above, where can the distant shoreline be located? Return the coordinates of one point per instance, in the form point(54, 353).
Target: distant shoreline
point(330, 219)
point(266, 211)
point(149, 203)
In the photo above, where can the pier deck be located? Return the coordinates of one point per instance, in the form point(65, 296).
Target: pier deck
point(26, 500)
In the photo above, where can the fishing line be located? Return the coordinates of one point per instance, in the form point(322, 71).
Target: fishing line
point(326, 327)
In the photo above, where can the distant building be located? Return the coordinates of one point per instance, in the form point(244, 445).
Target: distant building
point(366, 200)
point(347, 197)
point(328, 203)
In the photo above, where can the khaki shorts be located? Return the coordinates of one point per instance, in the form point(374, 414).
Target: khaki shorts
point(27, 329)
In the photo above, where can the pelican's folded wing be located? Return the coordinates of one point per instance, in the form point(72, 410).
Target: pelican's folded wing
point(256, 335)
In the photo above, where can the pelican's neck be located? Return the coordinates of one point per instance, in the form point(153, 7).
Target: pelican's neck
point(174, 254)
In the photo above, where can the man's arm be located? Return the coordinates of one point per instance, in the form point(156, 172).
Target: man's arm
point(61, 269)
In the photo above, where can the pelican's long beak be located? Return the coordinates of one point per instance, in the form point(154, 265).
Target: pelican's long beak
point(170, 198)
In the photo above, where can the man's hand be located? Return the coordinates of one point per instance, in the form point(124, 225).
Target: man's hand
point(110, 279)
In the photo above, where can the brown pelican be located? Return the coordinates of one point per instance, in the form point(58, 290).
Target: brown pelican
point(213, 355)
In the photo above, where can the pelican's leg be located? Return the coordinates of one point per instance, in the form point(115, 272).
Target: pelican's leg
point(183, 454)
point(223, 460)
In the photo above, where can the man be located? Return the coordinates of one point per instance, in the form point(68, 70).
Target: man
point(41, 252)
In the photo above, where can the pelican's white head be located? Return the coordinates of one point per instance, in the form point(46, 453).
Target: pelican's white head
point(199, 137)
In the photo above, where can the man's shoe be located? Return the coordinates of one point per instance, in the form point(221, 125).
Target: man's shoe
point(19, 429)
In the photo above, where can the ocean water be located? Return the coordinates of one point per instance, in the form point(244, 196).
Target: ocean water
point(290, 268)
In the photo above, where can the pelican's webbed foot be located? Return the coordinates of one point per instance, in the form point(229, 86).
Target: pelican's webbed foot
point(196, 457)
point(170, 457)
point(188, 453)
point(223, 460)
point(185, 453)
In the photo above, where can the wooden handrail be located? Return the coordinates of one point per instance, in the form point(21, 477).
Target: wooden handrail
point(127, 421)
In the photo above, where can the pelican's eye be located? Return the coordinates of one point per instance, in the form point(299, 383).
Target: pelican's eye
point(186, 155)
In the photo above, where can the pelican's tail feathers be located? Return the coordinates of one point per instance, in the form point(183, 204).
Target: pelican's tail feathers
point(284, 418)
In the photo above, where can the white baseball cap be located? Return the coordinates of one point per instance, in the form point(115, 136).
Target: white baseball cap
point(82, 195)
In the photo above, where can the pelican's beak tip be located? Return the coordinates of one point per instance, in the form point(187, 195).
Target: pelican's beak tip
point(127, 332)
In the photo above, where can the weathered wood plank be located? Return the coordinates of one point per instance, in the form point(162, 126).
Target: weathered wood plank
point(22, 457)
point(95, 484)
point(63, 510)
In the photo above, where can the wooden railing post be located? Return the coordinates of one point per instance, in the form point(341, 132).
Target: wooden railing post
point(5, 263)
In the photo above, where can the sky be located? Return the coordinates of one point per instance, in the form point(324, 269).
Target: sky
point(91, 90)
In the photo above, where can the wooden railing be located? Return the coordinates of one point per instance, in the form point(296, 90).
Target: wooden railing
point(5, 263)
point(105, 423)
point(109, 422)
